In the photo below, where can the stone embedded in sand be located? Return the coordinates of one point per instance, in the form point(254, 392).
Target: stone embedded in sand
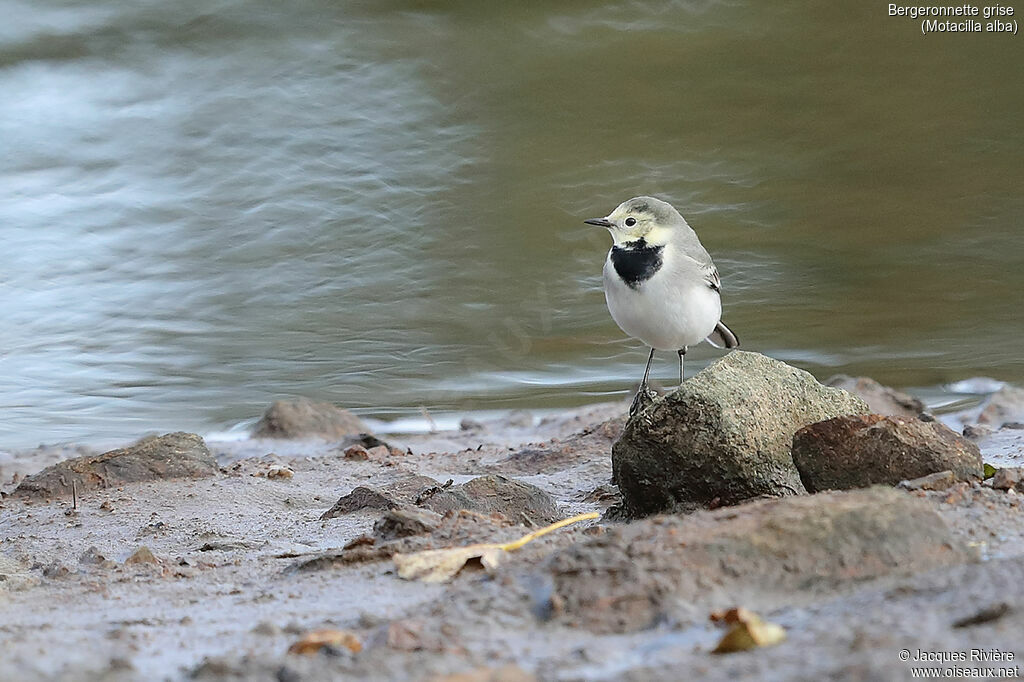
point(357, 452)
point(402, 491)
point(859, 451)
point(723, 437)
point(280, 472)
point(304, 418)
point(940, 480)
point(880, 399)
point(361, 497)
point(15, 575)
point(174, 455)
point(92, 557)
point(635, 574)
point(143, 555)
point(1009, 478)
point(519, 502)
point(514, 499)
point(405, 521)
point(1002, 407)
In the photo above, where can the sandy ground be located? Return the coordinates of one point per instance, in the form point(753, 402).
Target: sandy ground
point(235, 581)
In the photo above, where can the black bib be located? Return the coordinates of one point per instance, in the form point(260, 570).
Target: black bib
point(636, 262)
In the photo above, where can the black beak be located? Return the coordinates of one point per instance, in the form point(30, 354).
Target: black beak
point(600, 222)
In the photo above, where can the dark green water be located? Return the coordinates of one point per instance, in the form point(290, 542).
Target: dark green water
point(208, 206)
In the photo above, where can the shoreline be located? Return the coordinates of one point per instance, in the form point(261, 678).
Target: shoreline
point(237, 567)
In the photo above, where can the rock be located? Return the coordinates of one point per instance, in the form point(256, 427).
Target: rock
point(405, 521)
point(92, 557)
point(468, 424)
point(880, 399)
point(378, 452)
point(723, 437)
point(317, 640)
point(977, 431)
point(174, 455)
point(267, 628)
point(1003, 406)
point(518, 419)
point(413, 634)
point(1011, 478)
point(56, 570)
point(360, 498)
point(403, 491)
point(366, 440)
point(281, 472)
point(143, 555)
point(604, 494)
point(940, 480)
point(770, 552)
point(357, 452)
point(990, 613)
point(514, 499)
point(304, 418)
point(15, 575)
point(863, 450)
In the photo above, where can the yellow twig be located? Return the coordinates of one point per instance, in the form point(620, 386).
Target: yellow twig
point(516, 544)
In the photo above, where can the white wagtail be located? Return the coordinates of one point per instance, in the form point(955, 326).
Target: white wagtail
point(660, 284)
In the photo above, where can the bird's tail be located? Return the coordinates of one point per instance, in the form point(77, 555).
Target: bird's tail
point(723, 337)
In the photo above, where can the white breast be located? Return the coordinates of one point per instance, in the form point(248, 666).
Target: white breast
point(673, 309)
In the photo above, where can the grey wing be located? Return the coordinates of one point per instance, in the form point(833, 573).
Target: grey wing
point(712, 278)
point(706, 269)
point(722, 336)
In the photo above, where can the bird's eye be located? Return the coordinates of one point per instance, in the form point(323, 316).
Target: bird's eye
point(630, 222)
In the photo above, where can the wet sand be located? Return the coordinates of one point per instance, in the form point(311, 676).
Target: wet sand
point(243, 566)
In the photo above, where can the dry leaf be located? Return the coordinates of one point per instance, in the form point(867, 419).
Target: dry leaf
point(315, 640)
point(747, 631)
point(441, 565)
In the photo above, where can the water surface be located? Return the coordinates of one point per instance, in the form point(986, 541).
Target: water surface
point(208, 206)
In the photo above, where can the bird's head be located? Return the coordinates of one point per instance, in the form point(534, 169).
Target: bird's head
point(647, 218)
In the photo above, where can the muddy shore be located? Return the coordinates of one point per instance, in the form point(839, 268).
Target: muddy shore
point(216, 577)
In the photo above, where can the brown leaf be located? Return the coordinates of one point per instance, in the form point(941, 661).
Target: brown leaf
point(313, 641)
point(747, 631)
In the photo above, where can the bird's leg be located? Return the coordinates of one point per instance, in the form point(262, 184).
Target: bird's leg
point(643, 395)
point(647, 369)
point(682, 352)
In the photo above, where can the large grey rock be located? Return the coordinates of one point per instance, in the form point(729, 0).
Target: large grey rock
point(304, 418)
point(174, 455)
point(680, 567)
point(880, 399)
point(862, 450)
point(723, 437)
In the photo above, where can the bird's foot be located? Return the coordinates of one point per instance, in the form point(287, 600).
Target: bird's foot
point(644, 397)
